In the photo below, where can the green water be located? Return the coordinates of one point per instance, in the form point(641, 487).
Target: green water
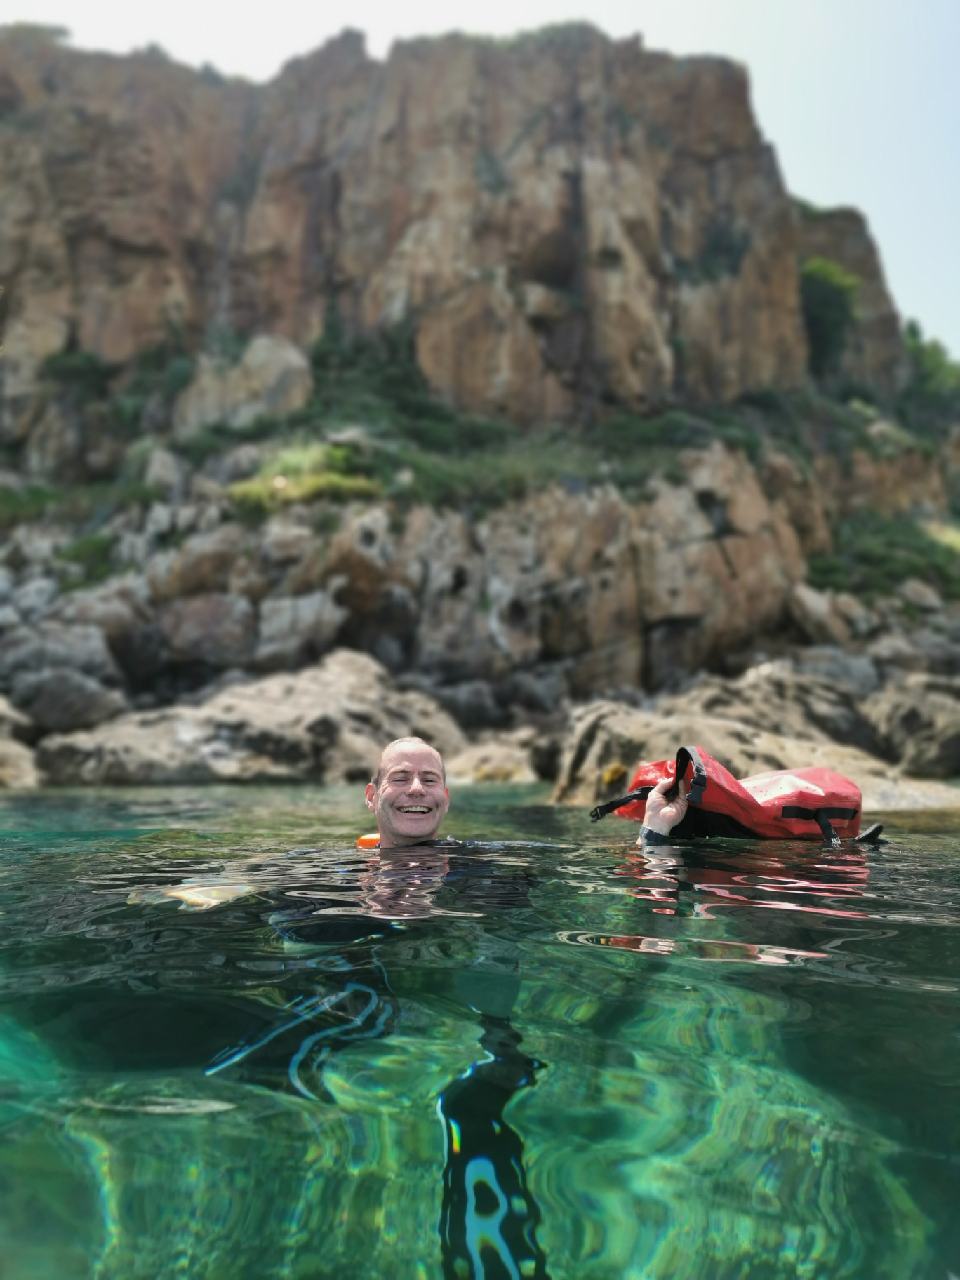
point(543, 1057)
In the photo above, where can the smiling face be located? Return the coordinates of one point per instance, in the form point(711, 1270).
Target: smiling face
point(408, 795)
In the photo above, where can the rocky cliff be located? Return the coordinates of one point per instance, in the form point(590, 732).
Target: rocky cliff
point(366, 359)
point(563, 219)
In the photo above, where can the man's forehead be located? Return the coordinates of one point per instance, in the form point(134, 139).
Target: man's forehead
point(411, 756)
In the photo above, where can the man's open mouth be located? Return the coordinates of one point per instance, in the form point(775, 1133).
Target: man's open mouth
point(414, 808)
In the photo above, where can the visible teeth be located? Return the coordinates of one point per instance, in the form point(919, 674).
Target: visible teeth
point(414, 808)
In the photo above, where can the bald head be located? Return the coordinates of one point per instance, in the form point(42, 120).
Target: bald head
point(401, 745)
point(408, 793)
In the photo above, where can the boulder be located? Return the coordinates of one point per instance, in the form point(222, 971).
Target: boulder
point(13, 723)
point(166, 473)
point(494, 760)
point(923, 649)
point(18, 770)
point(853, 674)
point(52, 645)
point(606, 741)
point(776, 698)
point(921, 595)
point(817, 615)
point(114, 608)
point(215, 630)
point(326, 723)
point(35, 597)
point(60, 700)
point(918, 721)
point(296, 629)
point(272, 378)
point(202, 564)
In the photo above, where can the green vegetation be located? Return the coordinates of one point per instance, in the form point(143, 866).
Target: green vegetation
point(158, 374)
point(930, 402)
point(721, 254)
point(374, 429)
point(827, 295)
point(86, 504)
point(93, 556)
point(83, 373)
point(875, 553)
point(303, 472)
point(19, 506)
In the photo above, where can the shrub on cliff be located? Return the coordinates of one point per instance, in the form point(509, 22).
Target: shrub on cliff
point(930, 402)
point(827, 294)
point(81, 372)
point(304, 472)
point(875, 553)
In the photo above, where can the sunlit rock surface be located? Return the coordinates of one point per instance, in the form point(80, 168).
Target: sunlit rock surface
point(560, 216)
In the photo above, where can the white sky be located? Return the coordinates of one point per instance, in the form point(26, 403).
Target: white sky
point(861, 98)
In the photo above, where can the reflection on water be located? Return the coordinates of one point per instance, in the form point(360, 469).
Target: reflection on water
point(530, 1057)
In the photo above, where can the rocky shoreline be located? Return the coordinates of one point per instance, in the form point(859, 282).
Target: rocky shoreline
point(327, 722)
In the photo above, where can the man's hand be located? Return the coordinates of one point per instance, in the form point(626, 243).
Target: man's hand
point(661, 814)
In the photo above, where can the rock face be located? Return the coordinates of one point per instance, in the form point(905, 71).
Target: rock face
point(273, 377)
point(327, 723)
point(606, 740)
point(560, 217)
point(874, 354)
point(918, 720)
point(605, 593)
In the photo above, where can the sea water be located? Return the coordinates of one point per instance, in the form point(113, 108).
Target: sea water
point(536, 1054)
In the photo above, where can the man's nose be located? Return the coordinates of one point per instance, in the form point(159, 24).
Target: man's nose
point(416, 784)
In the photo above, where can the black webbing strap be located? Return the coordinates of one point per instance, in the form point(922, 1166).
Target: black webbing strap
point(602, 810)
point(821, 816)
point(685, 756)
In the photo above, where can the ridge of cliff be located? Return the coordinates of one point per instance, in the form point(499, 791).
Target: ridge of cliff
point(564, 220)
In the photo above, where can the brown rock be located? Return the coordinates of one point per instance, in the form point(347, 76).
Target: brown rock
point(202, 564)
point(777, 698)
point(816, 614)
point(18, 770)
point(874, 353)
point(296, 629)
point(213, 629)
point(919, 722)
point(272, 378)
point(563, 215)
point(13, 723)
point(497, 760)
point(607, 741)
point(60, 700)
point(326, 723)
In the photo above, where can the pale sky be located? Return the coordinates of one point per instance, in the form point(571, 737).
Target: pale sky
point(861, 98)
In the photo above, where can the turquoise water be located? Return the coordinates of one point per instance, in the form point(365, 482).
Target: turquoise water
point(542, 1057)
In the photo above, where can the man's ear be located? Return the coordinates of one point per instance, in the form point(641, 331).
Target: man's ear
point(369, 793)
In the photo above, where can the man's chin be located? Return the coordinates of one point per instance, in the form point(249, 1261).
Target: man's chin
point(415, 826)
